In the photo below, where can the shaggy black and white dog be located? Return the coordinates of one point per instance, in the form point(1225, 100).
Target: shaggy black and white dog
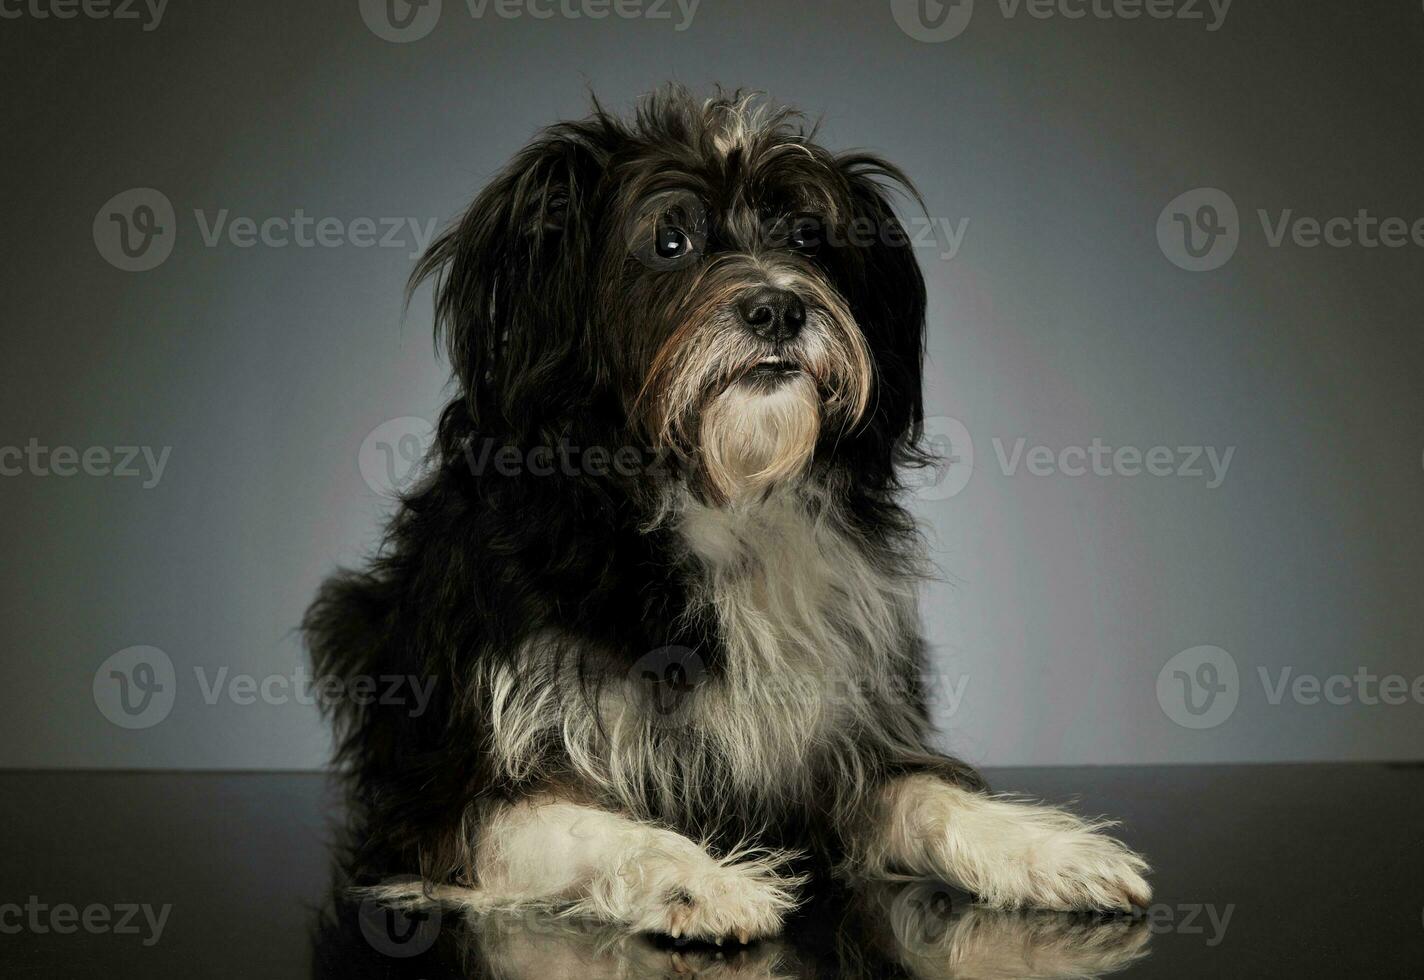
point(657, 569)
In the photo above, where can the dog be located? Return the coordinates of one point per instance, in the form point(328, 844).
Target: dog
point(657, 565)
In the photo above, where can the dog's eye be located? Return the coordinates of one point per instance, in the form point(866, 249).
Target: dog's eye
point(804, 235)
point(672, 242)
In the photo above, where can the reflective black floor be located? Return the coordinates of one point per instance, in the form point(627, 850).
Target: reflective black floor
point(1291, 871)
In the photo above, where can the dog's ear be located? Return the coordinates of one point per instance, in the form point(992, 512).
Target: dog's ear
point(509, 278)
point(886, 293)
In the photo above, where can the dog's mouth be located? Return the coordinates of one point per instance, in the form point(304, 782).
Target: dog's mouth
point(774, 368)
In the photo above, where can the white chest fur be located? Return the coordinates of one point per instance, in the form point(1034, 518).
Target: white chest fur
point(816, 641)
point(793, 591)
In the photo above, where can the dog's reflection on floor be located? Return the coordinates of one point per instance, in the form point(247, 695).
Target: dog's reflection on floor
point(930, 930)
point(919, 930)
point(528, 947)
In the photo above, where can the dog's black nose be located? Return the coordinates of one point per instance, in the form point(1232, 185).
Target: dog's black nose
point(773, 314)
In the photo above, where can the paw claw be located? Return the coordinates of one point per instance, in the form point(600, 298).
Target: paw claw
point(1089, 872)
point(696, 897)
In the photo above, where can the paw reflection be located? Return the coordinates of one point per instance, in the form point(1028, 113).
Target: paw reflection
point(538, 947)
point(922, 930)
point(935, 931)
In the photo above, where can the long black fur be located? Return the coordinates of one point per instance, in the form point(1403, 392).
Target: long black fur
point(539, 310)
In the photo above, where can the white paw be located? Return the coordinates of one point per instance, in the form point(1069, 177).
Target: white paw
point(1088, 870)
point(1053, 860)
point(1011, 853)
point(695, 896)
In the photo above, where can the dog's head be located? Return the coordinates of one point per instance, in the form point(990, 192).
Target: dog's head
point(705, 278)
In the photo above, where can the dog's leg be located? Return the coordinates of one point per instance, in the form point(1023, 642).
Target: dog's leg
point(612, 868)
point(1009, 853)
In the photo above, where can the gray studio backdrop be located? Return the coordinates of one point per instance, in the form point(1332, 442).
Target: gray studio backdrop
point(1183, 516)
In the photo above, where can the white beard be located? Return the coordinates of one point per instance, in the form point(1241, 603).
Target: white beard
point(753, 438)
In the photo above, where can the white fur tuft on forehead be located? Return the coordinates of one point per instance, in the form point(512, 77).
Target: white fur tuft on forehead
point(736, 124)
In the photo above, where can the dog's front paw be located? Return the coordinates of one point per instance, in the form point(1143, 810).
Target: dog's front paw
point(695, 896)
point(1080, 869)
point(1050, 859)
point(745, 901)
point(1011, 853)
